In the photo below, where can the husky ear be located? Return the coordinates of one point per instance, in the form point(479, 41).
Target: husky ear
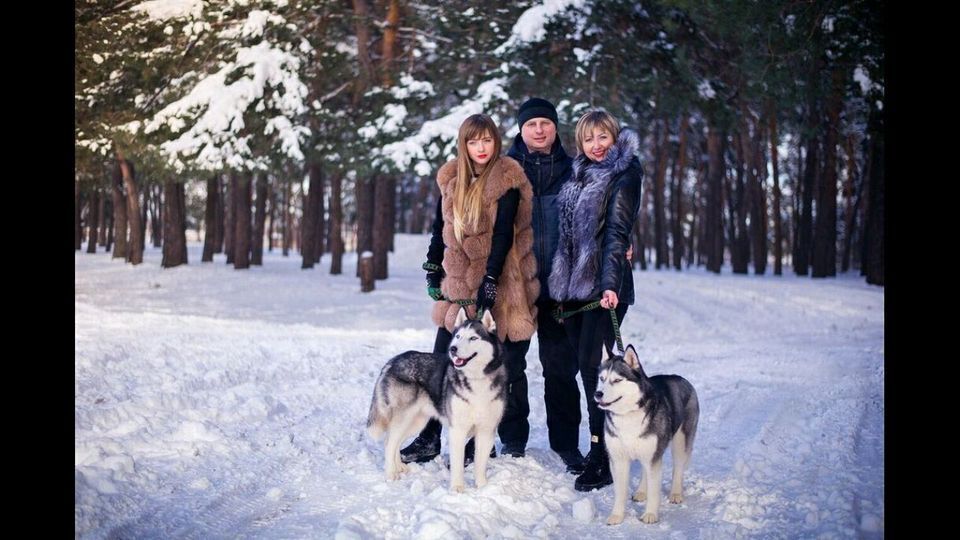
point(461, 316)
point(631, 358)
point(488, 321)
point(604, 353)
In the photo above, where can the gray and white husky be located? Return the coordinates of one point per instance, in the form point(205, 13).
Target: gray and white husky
point(642, 416)
point(465, 389)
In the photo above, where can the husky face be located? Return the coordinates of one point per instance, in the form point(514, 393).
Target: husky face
point(472, 339)
point(619, 389)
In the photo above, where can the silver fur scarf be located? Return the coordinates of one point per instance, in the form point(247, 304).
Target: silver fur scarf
point(576, 263)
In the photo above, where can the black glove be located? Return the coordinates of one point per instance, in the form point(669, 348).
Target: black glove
point(434, 277)
point(487, 295)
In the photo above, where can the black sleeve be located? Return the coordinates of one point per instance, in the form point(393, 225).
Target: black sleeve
point(503, 232)
point(621, 215)
point(435, 251)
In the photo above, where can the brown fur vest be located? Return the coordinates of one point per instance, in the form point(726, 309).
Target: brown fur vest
point(466, 263)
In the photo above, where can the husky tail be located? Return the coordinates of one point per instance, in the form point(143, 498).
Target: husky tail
point(378, 418)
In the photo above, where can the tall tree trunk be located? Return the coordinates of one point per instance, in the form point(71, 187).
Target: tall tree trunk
point(156, 215)
point(241, 233)
point(272, 213)
point(93, 218)
point(319, 221)
point(825, 237)
point(643, 222)
point(851, 196)
point(285, 219)
point(740, 255)
point(361, 14)
point(221, 234)
point(174, 226)
point(874, 241)
point(676, 195)
point(120, 221)
point(310, 229)
point(364, 200)
point(77, 222)
point(805, 226)
point(336, 224)
point(135, 244)
point(421, 207)
point(661, 135)
point(256, 255)
point(210, 219)
point(109, 221)
point(716, 146)
point(143, 208)
point(777, 220)
point(391, 207)
point(230, 213)
point(382, 224)
point(758, 208)
point(101, 218)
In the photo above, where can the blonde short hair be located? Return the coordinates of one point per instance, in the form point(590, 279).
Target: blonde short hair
point(596, 118)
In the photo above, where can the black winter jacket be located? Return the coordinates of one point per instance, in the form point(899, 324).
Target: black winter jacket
point(547, 174)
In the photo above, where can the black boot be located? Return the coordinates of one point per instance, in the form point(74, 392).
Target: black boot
point(425, 447)
point(597, 471)
point(574, 460)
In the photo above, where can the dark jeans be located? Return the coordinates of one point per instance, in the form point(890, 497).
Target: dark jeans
point(588, 331)
point(514, 428)
point(561, 396)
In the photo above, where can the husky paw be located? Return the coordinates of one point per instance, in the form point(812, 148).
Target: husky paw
point(456, 488)
point(649, 517)
point(640, 496)
point(392, 476)
point(615, 519)
point(481, 482)
point(403, 468)
point(676, 498)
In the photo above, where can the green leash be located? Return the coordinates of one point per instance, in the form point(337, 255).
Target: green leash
point(561, 315)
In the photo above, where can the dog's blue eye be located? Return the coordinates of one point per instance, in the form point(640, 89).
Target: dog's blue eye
point(474, 338)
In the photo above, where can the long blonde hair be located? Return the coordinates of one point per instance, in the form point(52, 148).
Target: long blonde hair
point(468, 190)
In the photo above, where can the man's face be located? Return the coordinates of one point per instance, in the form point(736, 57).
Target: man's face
point(538, 134)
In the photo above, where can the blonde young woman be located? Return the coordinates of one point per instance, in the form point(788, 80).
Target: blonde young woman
point(482, 250)
point(598, 208)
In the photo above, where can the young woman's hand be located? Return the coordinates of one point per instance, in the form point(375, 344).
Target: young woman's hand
point(609, 300)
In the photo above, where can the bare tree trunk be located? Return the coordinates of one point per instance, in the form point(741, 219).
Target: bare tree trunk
point(310, 229)
point(230, 213)
point(661, 136)
point(319, 222)
point(382, 224)
point(241, 233)
point(391, 213)
point(220, 237)
point(777, 220)
point(716, 143)
point(336, 224)
point(272, 201)
point(120, 215)
point(361, 15)
point(740, 244)
point(93, 217)
point(156, 215)
point(285, 218)
point(874, 242)
point(77, 222)
point(135, 245)
point(421, 206)
point(101, 218)
point(174, 226)
point(756, 170)
point(210, 219)
point(676, 196)
point(256, 256)
point(364, 200)
point(825, 233)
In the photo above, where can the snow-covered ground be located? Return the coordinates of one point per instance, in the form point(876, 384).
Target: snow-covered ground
point(213, 403)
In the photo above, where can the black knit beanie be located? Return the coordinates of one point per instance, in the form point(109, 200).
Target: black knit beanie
point(536, 108)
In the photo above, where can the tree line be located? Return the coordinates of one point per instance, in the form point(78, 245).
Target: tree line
point(318, 125)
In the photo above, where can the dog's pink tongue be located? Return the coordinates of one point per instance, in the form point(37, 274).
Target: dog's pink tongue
point(457, 361)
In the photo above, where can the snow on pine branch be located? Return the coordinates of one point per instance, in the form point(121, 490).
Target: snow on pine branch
point(214, 110)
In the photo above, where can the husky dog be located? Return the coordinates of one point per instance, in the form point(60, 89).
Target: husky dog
point(644, 415)
point(465, 389)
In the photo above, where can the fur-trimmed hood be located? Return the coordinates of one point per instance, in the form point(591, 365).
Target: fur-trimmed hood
point(583, 213)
